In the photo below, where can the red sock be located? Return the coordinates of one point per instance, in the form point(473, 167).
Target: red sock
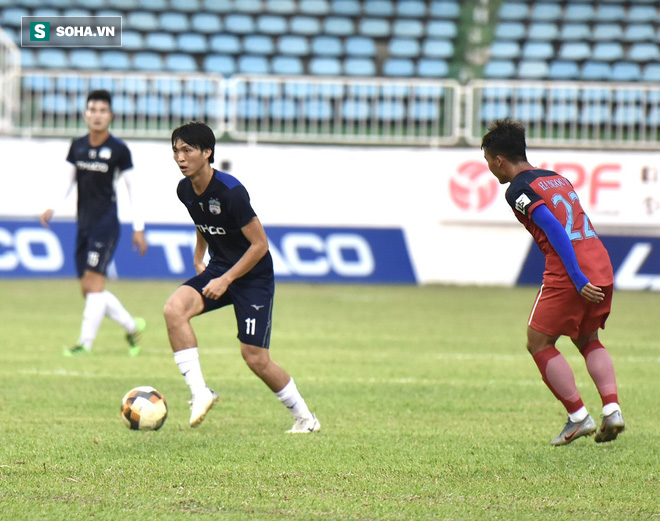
point(558, 376)
point(601, 369)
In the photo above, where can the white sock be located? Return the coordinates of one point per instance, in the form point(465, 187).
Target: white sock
point(92, 318)
point(118, 313)
point(188, 362)
point(579, 415)
point(610, 408)
point(292, 400)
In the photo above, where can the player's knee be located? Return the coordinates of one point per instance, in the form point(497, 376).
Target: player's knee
point(257, 360)
point(173, 311)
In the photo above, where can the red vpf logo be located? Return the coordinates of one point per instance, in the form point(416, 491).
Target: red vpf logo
point(473, 187)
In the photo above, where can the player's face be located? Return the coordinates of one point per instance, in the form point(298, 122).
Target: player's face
point(495, 166)
point(98, 115)
point(190, 160)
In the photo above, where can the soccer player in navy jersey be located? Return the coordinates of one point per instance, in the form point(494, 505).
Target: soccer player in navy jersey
point(576, 295)
point(95, 162)
point(239, 273)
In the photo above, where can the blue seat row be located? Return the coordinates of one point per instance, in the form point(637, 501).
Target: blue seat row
point(551, 31)
point(577, 11)
point(575, 51)
point(620, 71)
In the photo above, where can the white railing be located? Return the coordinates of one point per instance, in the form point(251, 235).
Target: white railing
point(10, 73)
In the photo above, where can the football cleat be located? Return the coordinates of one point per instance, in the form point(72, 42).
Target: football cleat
point(76, 351)
point(201, 404)
point(572, 431)
point(134, 338)
point(610, 428)
point(305, 426)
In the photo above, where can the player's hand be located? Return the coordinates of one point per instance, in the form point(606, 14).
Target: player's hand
point(139, 242)
point(45, 217)
point(592, 293)
point(215, 288)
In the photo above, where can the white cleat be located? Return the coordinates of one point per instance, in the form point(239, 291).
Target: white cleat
point(305, 426)
point(201, 404)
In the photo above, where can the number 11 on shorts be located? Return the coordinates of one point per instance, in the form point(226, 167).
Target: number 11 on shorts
point(250, 326)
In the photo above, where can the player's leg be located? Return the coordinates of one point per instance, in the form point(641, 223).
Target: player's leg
point(184, 304)
point(549, 319)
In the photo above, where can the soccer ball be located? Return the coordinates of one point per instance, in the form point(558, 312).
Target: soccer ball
point(143, 409)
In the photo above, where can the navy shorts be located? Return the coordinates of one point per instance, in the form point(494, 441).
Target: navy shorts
point(95, 249)
point(253, 305)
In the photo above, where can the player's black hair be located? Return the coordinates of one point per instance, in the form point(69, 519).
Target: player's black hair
point(100, 95)
point(198, 135)
point(506, 137)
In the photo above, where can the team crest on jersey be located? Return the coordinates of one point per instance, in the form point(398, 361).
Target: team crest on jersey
point(522, 203)
point(214, 206)
point(105, 153)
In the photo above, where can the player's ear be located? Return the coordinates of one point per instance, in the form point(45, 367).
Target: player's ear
point(207, 153)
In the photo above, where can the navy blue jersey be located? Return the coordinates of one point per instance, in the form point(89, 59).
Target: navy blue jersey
point(219, 214)
point(97, 171)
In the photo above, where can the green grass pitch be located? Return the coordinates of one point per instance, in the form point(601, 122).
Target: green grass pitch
point(430, 405)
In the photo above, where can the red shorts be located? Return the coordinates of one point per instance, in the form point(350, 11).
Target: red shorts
point(563, 311)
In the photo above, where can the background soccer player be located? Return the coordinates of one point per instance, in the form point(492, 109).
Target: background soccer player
point(239, 273)
point(95, 162)
point(576, 294)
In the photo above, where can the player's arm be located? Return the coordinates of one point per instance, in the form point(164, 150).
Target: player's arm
point(255, 233)
point(45, 217)
point(139, 241)
point(559, 240)
point(200, 250)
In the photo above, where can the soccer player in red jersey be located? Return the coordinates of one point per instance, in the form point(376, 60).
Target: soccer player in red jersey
point(576, 295)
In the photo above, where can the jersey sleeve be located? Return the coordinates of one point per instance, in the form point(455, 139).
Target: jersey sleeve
point(241, 209)
point(70, 157)
point(522, 198)
point(125, 161)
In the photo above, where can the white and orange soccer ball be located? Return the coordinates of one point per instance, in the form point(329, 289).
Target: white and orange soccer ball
point(144, 409)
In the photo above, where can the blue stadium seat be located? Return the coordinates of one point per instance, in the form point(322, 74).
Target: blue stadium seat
point(579, 13)
point(84, 59)
point(546, 11)
point(144, 21)
point(193, 43)
point(28, 59)
point(219, 64)
point(626, 71)
point(149, 5)
point(411, 8)
point(424, 111)
point(326, 46)
point(165, 86)
point(225, 44)
point(533, 69)
point(360, 46)
point(575, 31)
point(11, 16)
point(184, 107)
point(253, 64)
point(610, 13)
point(510, 31)
point(576, 51)
point(513, 11)
point(504, 50)
point(653, 117)
point(325, 66)
point(651, 73)
point(528, 111)
point(318, 110)
point(55, 104)
point(390, 110)
point(283, 109)
point(346, 7)
point(174, 22)
point(218, 6)
point(160, 42)
point(379, 8)
point(537, 50)
point(281, 6)
point(642, 13)
point(248, 6)
point(374, 27)
point(596, 95)
point(353, 109)
point(435, 48)
point(132, 41)
point(133, 85)
point(404, 47)
point(495, 69)
point(101, 83)
point(258, 44)
point(148, 61)
point(42, 12)
point(562, 113)
point(638, 32)
point(363, 90)
point(595, 71)
point(607, 32)
point(359, 67)
point(272, 24)
point(199, 87)
point(293, 45)
point(338, 26)
point(151, 106)
point(492, 110)
point(629, 115)
point(123, 105)
point(432, 68)
point(306, 25)
point(189, 6)
point(607, 51)
point(440, 29)
point(402, 67)
point(563, 70)
point(206, 23)
point(71, 84)
point(445, 9)
point(411, 28)
point(287, 65)
point(644, 52)
point(179, 62)
point(38, 83)
point(394, 90)
point(52, 58)
point(314, 7)
point(76, 11)
point(239, 23)
point(528, 94)
point(545, 31)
